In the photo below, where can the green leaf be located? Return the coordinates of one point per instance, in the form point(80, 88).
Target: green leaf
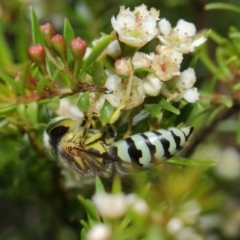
point(69, 35)
point(90, 209)
point(36, 33)
point(97, 73)
point(234, 35)
point(192, 162)
point(214, 113)
point(155, 232)
point(166, 105)
point(126, 221)
point(96, 51)
point(41, 84)
point(221, 60)
point(222, 6)
point(7, 110)
point(83, 233)
point(84, 102)
point(23, 78)
point(153, 109)
point(143, 114)
point(117, 186)
point(5, 91)
point(32, 112)
point(217, 38)
point(5, 53)
point(227, 102)
point(99, 185)
point(238, 129)
point(21, 43)
point(144, 70)
point(236, 87)
point(9, 81)
point(53, 103)
point(207, 61)
point(21, 110)
point(3, 123)
point(106, 112)
point(85, 225)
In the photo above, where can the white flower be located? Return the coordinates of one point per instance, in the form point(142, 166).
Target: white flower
point(87, 53)
point(110, 205)
point(99, 231)
point(68, 109)
point(141, 60)
point(184, 87)
point(97, 40)
point(186, 80)
point(123, 67)
point(98, 99)
point(191, 95)
point(174, 225)
point(138, 27)
point(113, 49)
point(140, 207)
point(115, 206)
point(152, 85)
point(228, 164)
point(189, 212)
point(166, 63)
point(117, 88)
point(188, 233)
point(164, 26)
point(181, 37)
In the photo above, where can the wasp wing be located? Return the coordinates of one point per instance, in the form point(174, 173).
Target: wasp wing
point(91, 162)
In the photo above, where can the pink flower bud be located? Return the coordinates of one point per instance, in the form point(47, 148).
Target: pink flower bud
point(59, 45)
point(47, 31)
point(78, 48)
point(37, 54)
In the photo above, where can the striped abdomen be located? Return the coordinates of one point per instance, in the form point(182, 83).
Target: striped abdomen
point(152, 146)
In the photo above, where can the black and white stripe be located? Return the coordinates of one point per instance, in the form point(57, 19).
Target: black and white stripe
point(153, 146)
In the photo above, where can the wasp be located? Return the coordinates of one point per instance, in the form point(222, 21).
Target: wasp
point(94, 152)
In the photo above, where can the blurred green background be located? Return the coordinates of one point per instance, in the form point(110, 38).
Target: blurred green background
point(38, 198)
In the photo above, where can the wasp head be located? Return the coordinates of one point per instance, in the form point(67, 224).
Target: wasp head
point(55, 130)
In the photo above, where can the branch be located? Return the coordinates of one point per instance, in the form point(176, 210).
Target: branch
point(206, 131)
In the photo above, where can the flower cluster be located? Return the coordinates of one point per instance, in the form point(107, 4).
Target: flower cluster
point(116, 206)
point(99, 231)
point(142, 59)
point(154, 73)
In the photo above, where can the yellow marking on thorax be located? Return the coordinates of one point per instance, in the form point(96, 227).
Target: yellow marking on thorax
point(98, 146)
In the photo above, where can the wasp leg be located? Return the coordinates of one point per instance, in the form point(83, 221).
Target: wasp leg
point(130, 122)
point(90, 118)
point(117, 113)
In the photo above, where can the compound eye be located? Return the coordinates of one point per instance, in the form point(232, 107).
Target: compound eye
point(59, 121)
point(58, 126)
point(55, 130)
point(58, 132)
